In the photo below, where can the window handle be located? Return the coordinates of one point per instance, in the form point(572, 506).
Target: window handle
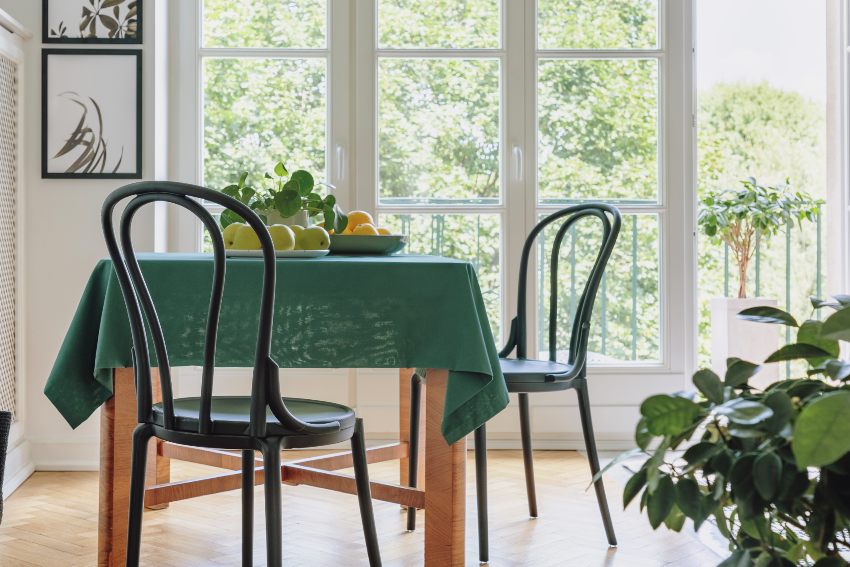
point(340, 162)
point(518, 172)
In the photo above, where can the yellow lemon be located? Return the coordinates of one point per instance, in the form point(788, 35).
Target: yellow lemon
point(384, 231)
point(356, 218)
point(366, 229)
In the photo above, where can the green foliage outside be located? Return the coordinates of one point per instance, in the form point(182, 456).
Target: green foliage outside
point(765, 132)
point(771, 467)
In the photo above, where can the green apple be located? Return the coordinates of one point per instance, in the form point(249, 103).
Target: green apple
point(314, 238)
point(246, 239)
point(296, 229)
point(282, 236)
point(229, 233)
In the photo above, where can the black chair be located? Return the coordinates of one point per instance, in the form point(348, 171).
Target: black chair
point(264, 421)
point(527, 375)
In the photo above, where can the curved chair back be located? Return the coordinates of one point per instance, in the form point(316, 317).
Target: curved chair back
point(610, 220)
point(265, 387)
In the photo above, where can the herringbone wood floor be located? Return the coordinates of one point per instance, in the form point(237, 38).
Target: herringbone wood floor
point(52, 521)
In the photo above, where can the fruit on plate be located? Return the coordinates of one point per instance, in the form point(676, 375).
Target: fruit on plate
point(245, 239)
point(384, 231)
point(229, 233)
point(313, 238)
point(365, 229)
point(356, 218)
point(282, 236)
point(296, 229)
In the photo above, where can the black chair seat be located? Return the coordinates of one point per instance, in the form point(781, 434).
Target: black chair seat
point(526, 375)
point(230, 415)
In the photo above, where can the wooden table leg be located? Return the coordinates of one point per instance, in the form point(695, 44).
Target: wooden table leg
point(404, 376)
point(445, 474)
point(117, 421)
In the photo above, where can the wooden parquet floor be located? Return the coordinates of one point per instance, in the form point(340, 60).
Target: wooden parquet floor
point(51, 521)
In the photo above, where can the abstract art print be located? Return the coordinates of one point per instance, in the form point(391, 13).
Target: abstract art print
point(91, 114)
point(92, 21)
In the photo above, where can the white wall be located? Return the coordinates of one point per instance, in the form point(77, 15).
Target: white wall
point(63, 242)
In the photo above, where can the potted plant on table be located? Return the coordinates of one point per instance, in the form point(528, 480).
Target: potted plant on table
point(287, 198)
point(771, 468)
point(741, 219)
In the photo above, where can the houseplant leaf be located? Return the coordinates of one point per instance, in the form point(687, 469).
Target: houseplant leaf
point(767, 314)
point(822, 431)
point(767, 470)
point(738, 372)
point(709, 384)
point(660, 502)
point(798, 351)
point(305, 181)
point(837, 326)
point(669, 415)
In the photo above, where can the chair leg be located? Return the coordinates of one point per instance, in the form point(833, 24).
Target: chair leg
point(364, 494)
point(593, 457)
point(413, 459)
point(525, 431)
point(248, 465)
point(271, 464)
point(141, 436)
point(481, 493)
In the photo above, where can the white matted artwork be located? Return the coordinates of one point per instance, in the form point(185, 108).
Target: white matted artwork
point(91, 113)
point(91, 21)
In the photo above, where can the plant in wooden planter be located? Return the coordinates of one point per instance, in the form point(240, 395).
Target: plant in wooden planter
point(771, 467)
point(741, 219)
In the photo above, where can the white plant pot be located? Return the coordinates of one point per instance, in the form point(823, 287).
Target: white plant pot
point(732, 337)
point(301, 218)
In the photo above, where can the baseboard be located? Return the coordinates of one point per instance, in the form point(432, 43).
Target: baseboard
point(19, 467)
point(50, 455)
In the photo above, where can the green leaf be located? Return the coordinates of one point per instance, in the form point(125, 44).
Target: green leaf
point(329, 216)
point(767, 471)
point(228, 217)
point(660, 502)
point(798, 351)
point(744, 412)
point(340, 220)
point(280, 169)
point(822, 431)
point(633, 487)
point(838, 369)
point(614, 462)
point(830, 562)
point(738, 372)
point(242, 179)
point(739, 558)
point(810, 333)
point(675, 520)
point(669, 415)
point(231, 191)
point(700, 453)
point(689, 498)
point(305, 181)
point(780, 403)
point(709, 384)
point(837, 326)
point(767, 314)
point(287, 202)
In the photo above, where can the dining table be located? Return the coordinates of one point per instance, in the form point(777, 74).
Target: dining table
point(414, 313)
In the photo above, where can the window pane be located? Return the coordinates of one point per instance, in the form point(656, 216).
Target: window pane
point(265, 23)
point(438, 130)
point(597, 24)
point(472, 237)
point(626, 323)
point(438, 24)
point(259, 111)
point(598, 129)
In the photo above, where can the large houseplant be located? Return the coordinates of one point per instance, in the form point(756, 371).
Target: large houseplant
point(741, 219)
point(771, 467)
point(289, 198)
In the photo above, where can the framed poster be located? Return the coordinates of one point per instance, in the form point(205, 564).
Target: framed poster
point(91, 113)
point(91, 21)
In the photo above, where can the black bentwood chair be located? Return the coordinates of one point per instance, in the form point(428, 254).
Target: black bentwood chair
point(264, 421)
point(525, 375)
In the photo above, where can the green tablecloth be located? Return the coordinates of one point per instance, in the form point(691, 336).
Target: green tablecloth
point(332, 312)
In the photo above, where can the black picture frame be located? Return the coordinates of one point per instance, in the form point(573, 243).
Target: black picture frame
point(46, 55)
point(45, 27)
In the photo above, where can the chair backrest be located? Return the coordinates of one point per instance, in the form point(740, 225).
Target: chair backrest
point(610, 220)
point(265, 387)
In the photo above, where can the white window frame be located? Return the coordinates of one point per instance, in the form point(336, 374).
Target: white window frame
point(352, 158)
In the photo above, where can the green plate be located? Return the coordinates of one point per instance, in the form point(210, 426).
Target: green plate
point(364, 244)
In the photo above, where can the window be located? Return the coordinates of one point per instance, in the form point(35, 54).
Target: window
point(460, 124)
